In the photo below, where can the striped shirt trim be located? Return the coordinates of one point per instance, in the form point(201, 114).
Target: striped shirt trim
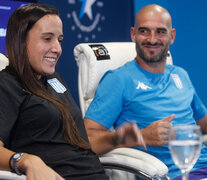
point(57, 85)
point(177, 81)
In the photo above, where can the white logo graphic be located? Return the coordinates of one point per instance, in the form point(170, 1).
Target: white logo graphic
point(5, 7)
point(2, 32)
point(57, 85)
point(142, 86)
point(177, 81)
point(87, 8)
point(85, 18)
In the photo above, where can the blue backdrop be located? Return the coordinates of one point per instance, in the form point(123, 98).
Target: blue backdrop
point(90, 21)
point(189, 48)
point(6, 9)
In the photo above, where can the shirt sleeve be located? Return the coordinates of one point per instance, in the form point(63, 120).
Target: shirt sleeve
point(199, 109)
point(108, 101)
point(11, 96)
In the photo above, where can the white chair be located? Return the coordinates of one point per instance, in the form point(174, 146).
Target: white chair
point(6, 175)
point(3, 61)
point(93, 60)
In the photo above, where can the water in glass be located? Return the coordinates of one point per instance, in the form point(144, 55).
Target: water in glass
point(185, 146)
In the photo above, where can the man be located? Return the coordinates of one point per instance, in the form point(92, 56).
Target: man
point(149, 92)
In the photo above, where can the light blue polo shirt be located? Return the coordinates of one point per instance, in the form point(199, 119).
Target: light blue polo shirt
point(131, 93)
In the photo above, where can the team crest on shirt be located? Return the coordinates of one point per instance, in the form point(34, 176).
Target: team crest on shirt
point(56, 85)
point(177, 81)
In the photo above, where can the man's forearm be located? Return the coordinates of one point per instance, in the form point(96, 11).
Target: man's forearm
point(102, 141)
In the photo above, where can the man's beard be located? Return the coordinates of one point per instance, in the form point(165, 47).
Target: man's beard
point(159, 58)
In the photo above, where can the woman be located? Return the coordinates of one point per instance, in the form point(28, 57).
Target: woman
point(34, 112)
point(41, 129)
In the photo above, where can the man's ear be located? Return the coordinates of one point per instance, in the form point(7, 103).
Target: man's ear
point(173, 33)
point(132, 34)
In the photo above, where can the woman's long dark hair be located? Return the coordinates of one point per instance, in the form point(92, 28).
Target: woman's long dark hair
point(19, 24)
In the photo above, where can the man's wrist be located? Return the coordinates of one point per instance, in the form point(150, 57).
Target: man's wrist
point(115, 139)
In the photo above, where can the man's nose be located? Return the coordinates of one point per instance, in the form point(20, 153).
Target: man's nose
point(152, 38)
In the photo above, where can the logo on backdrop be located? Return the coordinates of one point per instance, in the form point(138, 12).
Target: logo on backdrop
point(86, 18)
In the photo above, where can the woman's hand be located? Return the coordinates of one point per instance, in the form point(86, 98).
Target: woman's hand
point(36, 169)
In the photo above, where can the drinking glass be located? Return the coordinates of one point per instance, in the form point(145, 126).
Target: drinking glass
point(185, 146)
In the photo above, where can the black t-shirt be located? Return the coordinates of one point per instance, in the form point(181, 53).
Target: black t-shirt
point(33, 125)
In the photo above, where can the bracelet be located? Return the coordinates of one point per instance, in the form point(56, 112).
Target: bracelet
point(10, 159)
point(15, 158)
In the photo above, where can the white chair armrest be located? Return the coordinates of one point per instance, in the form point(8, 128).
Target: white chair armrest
point(7, 175)
point(136, 159)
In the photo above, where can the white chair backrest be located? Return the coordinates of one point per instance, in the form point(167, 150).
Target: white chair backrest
point(94, 59)
point(3, 61)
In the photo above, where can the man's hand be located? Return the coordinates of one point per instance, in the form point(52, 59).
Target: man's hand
point(156, 134)
point(103, 141)
point(129, 135)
